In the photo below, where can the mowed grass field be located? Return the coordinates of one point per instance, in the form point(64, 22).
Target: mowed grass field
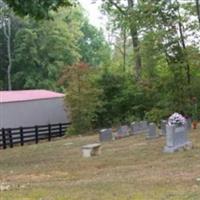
point(128, 169)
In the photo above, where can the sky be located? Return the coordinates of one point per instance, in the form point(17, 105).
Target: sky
point(94, 14)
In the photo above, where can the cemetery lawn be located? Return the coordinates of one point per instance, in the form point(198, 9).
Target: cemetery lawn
point(128, 169)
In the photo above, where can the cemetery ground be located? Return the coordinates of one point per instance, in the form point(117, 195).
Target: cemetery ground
point(132, 168)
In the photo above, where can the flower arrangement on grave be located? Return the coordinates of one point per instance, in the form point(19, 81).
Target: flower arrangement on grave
point(176, 133)
point(177, 120)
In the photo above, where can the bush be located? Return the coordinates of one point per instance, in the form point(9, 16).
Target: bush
point(82, 97)
point(156, 115)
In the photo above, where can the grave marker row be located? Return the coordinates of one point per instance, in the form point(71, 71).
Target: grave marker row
point(176, 137)
point(125, 131)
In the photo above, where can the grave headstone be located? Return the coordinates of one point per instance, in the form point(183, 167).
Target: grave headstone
point(163, 124)
point(105, 135)
point(139, 127)
point(135, 128)
point(143, 125)
point(122, 132)
point(176, 138)
point(151, 134)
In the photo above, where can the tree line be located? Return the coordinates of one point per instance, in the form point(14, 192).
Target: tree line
point(148, 69)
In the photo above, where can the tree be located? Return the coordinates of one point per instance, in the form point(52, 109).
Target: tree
point(82, 96)
point(125, 15)
point(36, 8)
point(169, 20)
point(93, 47)
point(43, 48)
point(198, 9)
point(7, 33)
point(134, 35)
point(5, 22)
point(121, 48)
point(173, 46)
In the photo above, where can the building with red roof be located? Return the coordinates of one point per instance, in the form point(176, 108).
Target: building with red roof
point(30, 108)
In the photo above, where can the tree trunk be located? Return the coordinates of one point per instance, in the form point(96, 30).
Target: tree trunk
point(138, 61)
point(184, 50)
point(135, 42)
point(184, 53)
point(7, 33)
point(198, 10)
point(124, 49)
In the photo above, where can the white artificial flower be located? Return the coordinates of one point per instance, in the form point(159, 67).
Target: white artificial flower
point(176, 119)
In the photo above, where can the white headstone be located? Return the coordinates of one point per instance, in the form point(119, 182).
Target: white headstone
point(151, 134)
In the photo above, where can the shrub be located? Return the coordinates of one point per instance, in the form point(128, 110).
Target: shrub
point(156, 114)
point(82, 97)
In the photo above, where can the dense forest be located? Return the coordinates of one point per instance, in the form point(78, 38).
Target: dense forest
point(147, 69)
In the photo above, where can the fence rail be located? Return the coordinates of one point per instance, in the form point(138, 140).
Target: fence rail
point(12, 136)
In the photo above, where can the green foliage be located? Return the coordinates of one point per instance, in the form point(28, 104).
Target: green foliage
point(123, 101)
point(165, 36)
point(82, 97)
point(194, 113)
point(194, 109)
point(42, 49)
point(156, 114)
point(38, 9)
point(94, 50)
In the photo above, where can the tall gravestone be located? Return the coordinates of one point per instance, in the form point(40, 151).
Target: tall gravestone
point(105, 135)
point(151, 134)
point(176, 138)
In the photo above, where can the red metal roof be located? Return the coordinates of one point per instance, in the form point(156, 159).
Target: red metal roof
point(27, 95)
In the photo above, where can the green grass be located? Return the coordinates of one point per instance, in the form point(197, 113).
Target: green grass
point(128, 169)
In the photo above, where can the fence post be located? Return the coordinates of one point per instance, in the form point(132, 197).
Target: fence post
point(3, 138)
point(21, 136)
point(49, 132)
point(10, 138)
point(60, 130)
point(36, 134)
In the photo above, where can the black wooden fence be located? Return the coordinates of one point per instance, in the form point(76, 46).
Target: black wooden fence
point(11, 136)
